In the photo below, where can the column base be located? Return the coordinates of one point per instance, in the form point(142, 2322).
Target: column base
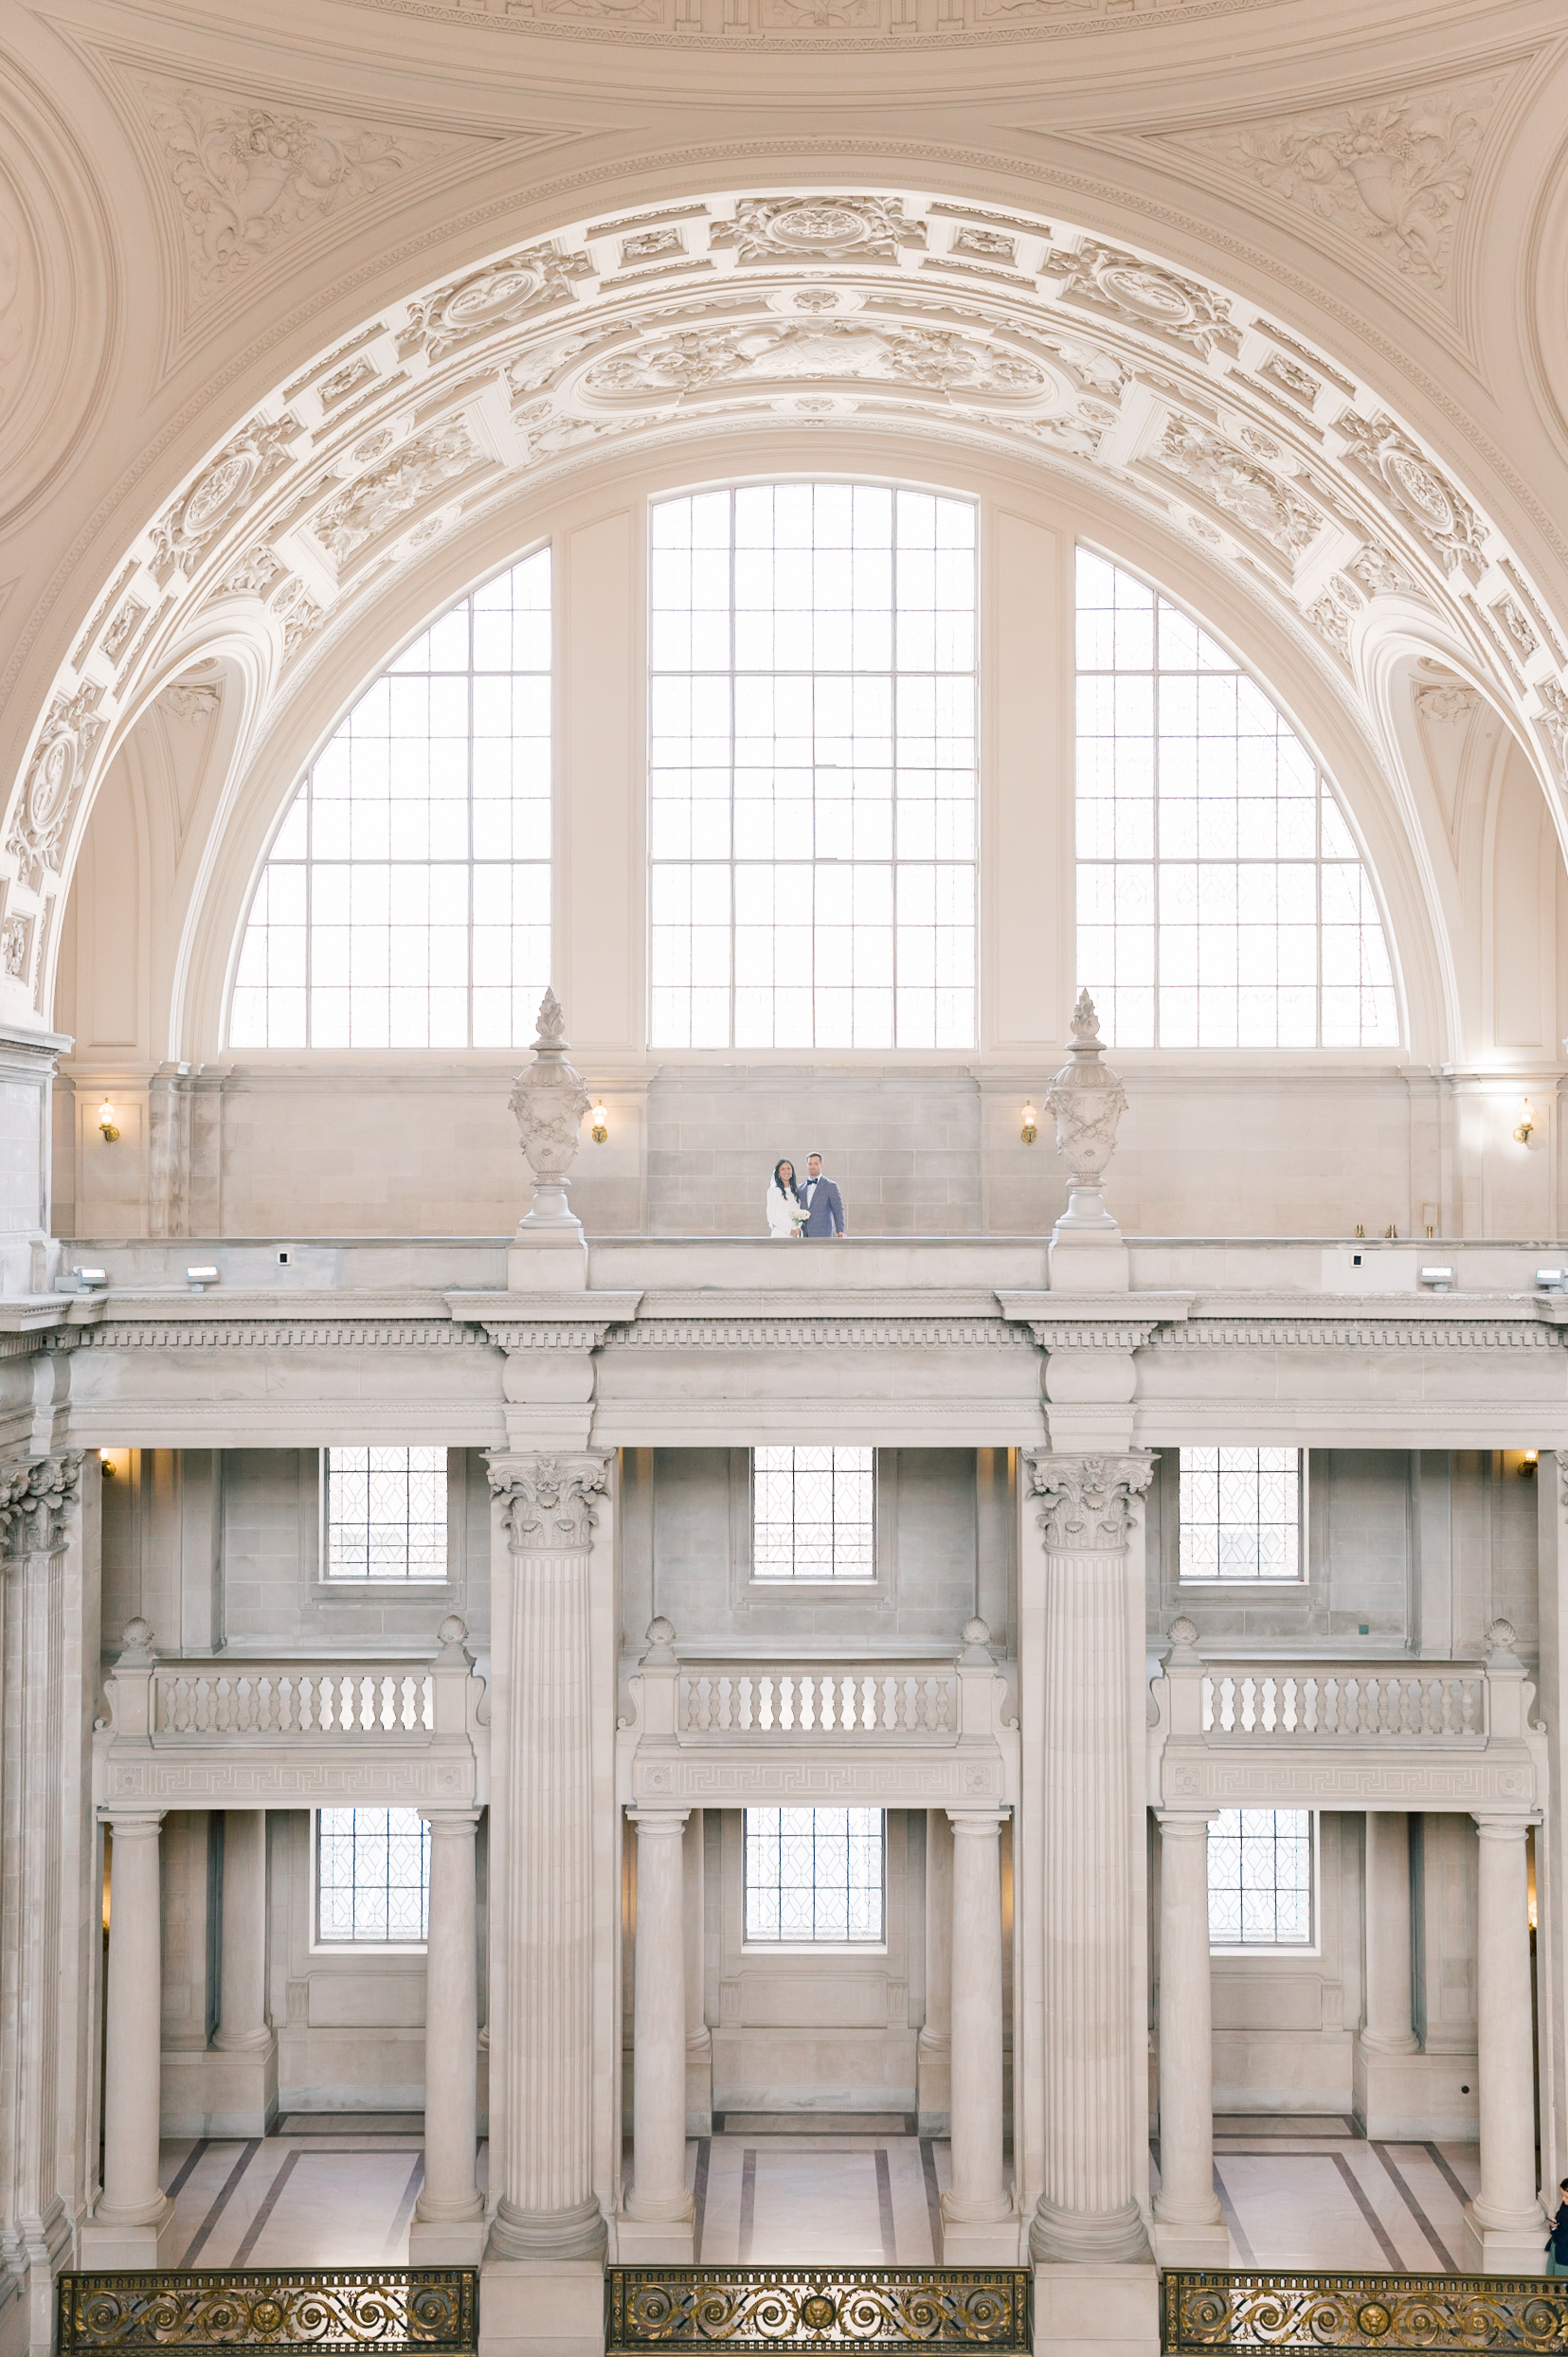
point(446, 2242)
point(228, 2091)
point(553, 2238)
point(1415, 2098)
point(646, 2240)
point(980, 2242)
point(541, 2307)
point(1177, 2244)
point(1088, 2237)
point(1515, 2249)
point(1096, 2311)
point(130, 2249)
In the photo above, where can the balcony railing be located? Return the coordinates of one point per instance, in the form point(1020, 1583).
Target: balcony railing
point(870, 1698)
point(1221, 2307)
point(1331, 1701)
point(344, 2311)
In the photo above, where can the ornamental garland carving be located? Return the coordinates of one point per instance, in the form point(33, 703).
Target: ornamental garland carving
point(1394, 175)
point(1089, 1503)
point(819, 229)
point(1237, 481)
point(369, 505)
point(547, 1501)
point(248, 175)
point(56, 779)
point(487, 301)
point(200, 517)
point(35, 1502)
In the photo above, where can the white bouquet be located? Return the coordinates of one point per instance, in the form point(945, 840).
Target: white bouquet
point(798, 1215)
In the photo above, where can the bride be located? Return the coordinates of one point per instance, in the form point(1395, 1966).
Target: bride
point(787, 1213)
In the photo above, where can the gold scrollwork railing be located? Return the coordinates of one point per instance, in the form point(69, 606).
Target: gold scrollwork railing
point(343, 2312)
point(1204, 2309)
point(816, 2308)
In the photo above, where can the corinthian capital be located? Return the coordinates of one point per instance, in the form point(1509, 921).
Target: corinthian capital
point(547, 1501)
point(1087, 1501)
point(35, 1500)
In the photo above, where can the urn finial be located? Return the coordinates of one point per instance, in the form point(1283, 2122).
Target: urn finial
point(550, 1101)
point(1086, 1100)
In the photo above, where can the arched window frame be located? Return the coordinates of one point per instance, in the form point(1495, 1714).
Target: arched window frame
point(520, 872)
point(1336, 853)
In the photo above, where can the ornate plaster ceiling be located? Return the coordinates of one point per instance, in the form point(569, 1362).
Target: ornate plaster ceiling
point(816, 24)
point(865, 308)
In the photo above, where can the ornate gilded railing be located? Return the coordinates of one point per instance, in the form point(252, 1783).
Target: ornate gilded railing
point(344, 2311)
point(1203, 2309)
point(816, 2308)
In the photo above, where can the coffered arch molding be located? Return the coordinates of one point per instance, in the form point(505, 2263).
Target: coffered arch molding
point(1031, 487)
point(862, 307)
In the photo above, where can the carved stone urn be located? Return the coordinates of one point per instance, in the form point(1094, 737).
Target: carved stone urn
point(550, 1101)
point(1086, 1100)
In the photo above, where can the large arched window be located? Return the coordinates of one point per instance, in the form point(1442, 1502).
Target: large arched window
point(812, 746)
point(1221, 900)
point(405, 902)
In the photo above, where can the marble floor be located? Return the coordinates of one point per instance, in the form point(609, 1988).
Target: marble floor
point(340, 2191)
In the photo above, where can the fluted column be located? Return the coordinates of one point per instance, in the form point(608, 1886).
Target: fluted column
point(1189, 2227)
point(243, 2026)
point(1505, 2217)
point(977, 2198)
point(46, 1837)
point(1092, 1840)
point(699, 2038)
point(658, 2196)
point(448, 2221)
point(933, 2049)
point(541, 2022)
point(132, 2027)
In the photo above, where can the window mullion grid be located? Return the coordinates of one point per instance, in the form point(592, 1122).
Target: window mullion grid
point(1317, 888)
point(469, 837)
point(734, 690)
point(1157, 911)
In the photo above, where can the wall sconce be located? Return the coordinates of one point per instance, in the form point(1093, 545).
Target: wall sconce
point(1530, 1464)
point(107, 1121)
point(1522, 1135)
point(106, 1465)
point(1031, 1124)
point(600, 1120)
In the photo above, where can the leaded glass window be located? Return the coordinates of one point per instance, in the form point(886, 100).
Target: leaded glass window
point(813, 1514)
point(1240, 1514)
point(813, 788)
point(1260, 1879)
point(406, 899)
point(373, 1876)
point(386, 1512)
point(813, 1874)
point(1222, 902)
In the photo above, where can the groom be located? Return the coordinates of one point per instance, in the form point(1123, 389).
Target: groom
point(823, 1201)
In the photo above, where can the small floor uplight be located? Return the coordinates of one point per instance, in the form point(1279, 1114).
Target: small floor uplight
point(106, 1122)
point(598, 1123)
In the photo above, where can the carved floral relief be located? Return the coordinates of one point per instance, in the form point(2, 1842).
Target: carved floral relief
point(1394, 174)
point(247, 176)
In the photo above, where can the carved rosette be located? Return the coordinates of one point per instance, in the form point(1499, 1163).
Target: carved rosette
point(36, 1499)
point(547, 1501)
point(1088, 1502)
point(550, 1101)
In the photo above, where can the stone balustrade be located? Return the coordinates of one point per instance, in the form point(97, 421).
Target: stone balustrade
point(1336, 1701)
point(897, 1700)
point(1344, 1733)
point(281, 1733)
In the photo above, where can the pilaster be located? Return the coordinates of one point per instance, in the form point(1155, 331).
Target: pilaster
point(44, 1828)
point(1089, 2219)
point(544, 2259)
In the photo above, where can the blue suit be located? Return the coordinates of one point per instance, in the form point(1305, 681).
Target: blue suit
point(827, 1209)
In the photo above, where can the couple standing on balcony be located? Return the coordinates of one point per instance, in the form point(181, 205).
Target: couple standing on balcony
point(815, 1208)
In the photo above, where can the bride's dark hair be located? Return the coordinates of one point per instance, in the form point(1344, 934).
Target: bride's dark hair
point(784, 1162)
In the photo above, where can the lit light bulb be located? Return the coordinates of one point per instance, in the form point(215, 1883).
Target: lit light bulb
point(1031, 1124)
point(107, 1121)
point(1523, 1133)
point(600, 1122)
